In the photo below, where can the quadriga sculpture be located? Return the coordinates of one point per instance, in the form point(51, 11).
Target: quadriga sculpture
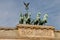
point(44, 20)
point(21, 19)
point(37, 20)
point(27, 19)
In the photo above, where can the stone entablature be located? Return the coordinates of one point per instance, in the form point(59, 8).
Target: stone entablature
point(35, 30)
point(30, 32)
point(35, 26)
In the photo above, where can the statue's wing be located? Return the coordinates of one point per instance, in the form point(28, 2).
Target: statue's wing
point(27, 4)
point(24, 3)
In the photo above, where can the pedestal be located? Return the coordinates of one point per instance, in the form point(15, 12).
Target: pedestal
point(35, 31)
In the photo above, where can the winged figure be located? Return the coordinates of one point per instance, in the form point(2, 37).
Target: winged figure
point(26, 4)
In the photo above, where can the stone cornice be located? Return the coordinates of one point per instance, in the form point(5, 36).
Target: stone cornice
point(35, 26)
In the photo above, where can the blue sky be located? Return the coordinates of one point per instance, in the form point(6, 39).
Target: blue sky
point(10, 9)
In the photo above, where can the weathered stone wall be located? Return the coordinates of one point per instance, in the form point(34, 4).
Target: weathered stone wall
point(57, 34)
point(9, 34)
point(35, 31)
point(30, 32)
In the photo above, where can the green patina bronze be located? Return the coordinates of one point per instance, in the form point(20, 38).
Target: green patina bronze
point(21, 19)
point(44, 20)
point(37, 20)
point(26, 18)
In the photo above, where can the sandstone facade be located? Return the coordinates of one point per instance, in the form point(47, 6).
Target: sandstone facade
point(30, 32)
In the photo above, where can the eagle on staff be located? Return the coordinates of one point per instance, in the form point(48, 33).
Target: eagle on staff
point(26, 5)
